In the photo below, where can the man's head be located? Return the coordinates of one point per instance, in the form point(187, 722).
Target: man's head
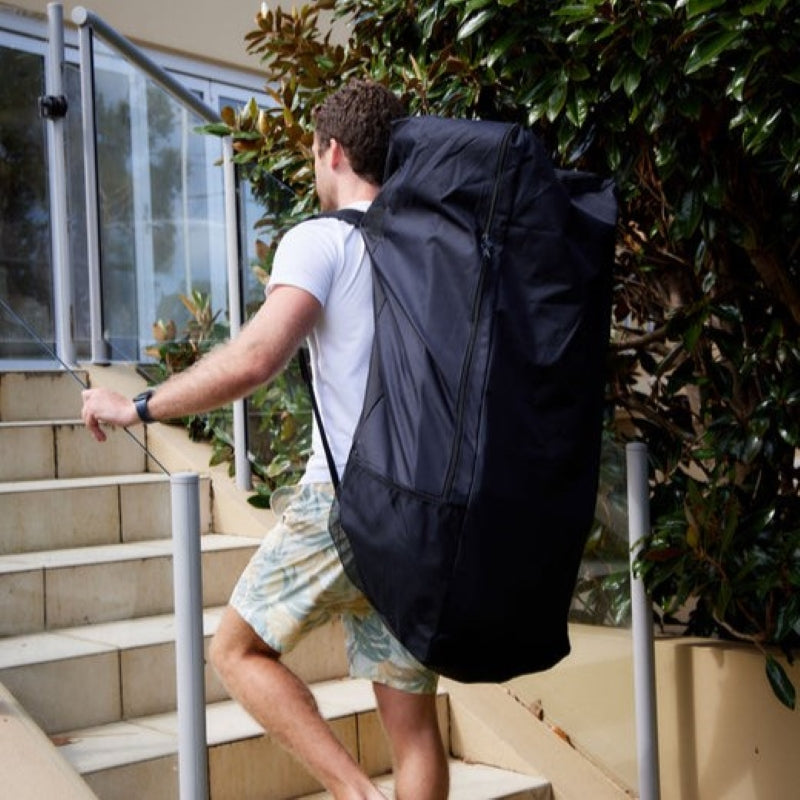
point(359, 116)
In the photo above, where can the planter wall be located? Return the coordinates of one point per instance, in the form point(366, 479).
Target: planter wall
point(722, 733)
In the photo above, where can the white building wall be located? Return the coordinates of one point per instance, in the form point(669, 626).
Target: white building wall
point(212, 30)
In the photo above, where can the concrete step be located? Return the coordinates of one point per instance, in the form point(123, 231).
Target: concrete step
point(41, 395)
point(38, 515)
point(63, 448)
point(98, 674)
point(475, 782)
point(54, 589)
point(128, 760)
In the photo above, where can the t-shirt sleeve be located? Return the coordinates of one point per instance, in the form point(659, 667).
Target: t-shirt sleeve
point(308, 256)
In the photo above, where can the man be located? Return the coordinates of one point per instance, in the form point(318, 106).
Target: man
point(320, 290)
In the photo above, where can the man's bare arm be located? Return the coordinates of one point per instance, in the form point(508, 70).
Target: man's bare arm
point(230, 371)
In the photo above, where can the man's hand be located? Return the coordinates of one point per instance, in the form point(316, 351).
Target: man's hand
point(228, 372)
point(107, 407)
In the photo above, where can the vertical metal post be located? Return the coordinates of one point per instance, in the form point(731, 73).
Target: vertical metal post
point(642, 617)
point(189, 658)
point(91, 193)
point(57, 179)
point(241, 463)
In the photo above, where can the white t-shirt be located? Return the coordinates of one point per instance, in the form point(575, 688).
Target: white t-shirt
point(327, 258)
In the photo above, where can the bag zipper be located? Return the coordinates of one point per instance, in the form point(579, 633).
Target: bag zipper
point(487, 247)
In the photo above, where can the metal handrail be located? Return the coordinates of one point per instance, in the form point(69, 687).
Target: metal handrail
point(88, 24)
point(84, 18)
point(192, 745)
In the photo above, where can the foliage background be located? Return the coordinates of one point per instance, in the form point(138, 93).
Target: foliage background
point(691, 106)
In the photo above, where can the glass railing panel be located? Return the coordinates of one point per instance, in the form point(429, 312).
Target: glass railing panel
point(602, 594)
point(161, 209)
point(25, 278)
point(278, 416)
point(76, 210)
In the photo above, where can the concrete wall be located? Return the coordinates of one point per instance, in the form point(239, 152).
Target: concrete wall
point(213, 30)
point(722, 733)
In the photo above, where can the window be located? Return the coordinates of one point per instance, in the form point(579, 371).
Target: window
point(160, 193)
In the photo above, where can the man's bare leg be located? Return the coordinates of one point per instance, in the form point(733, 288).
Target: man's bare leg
point(420, 762)
point(279, 701)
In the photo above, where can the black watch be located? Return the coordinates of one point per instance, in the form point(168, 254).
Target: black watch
point(140, 401)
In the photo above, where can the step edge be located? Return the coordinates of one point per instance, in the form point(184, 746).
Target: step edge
point(64, 558)
point(100, 637)
point(84, 482)
point(462, 772)
point(162, 728)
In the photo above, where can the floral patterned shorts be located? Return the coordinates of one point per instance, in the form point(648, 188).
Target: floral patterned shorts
point(296, 582)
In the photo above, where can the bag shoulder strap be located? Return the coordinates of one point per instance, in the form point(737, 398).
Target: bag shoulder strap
point(354, 217)
point(351, 215)
point(305, 372)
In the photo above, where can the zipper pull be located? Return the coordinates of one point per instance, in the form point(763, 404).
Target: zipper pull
point(487, 247)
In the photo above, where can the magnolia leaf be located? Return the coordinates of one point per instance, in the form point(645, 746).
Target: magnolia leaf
point(633, 77)
point(576, 109)
point(640, 42)
point(695, 8)
point(278, 466)
point(780, 683)
point(474, 5)
point(757, 8)
point(259, 500)
point(555, 103)
point(578, 71)
point(787, 620)
point(216, 129)
point(474, 24)
point(757, 134)
point(709, 49)
point(501, 47)
point(250, 111)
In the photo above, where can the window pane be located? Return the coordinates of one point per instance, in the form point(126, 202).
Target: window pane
point(25, 280)
point(160, 207)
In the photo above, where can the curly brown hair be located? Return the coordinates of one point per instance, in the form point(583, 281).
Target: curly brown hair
point(359, 117)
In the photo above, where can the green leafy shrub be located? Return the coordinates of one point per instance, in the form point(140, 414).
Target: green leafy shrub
point(688, 105)
point(279, 414)
point(173, 353)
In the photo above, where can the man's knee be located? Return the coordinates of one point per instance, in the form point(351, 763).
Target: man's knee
point(233, 643)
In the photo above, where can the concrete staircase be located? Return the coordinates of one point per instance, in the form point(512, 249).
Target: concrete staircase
point(86, 630)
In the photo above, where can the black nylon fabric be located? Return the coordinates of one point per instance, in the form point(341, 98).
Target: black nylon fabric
point(470, 487)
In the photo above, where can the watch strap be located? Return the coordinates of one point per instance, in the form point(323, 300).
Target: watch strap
point(140, 402)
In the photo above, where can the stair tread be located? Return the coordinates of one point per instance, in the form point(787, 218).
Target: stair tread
point(98, 747)
point(144, 738)
point(472, 781)
point(99, 637)
point(39, 423)
point(122, 551)
point(63, 484)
